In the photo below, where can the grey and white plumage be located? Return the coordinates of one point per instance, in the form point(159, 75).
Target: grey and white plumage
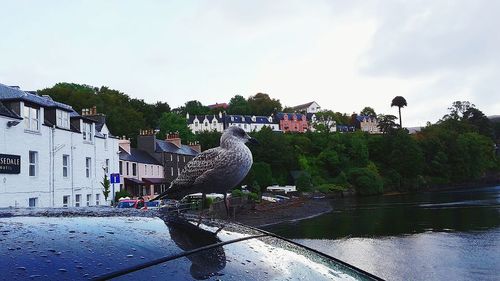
point(215, 170)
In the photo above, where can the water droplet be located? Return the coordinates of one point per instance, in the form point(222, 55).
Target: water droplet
point(35, 276)
point(130, 256)
point(21, 268)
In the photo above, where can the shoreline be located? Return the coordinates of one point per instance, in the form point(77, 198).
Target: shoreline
point(268, 214)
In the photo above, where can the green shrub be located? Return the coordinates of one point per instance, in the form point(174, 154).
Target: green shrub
point(365, 181)
point(121, 194)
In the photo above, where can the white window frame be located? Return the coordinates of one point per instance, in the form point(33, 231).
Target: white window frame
point(87, 132)
point(97, 199)
point(31, 118)
point(67, 197)
point(134, 169)
point(106, 166)
point(78, 199)
point(33, 162)
point(33, 202)
point(89, 197)
point(65, 166)
point(62, 119)
point(88, 167)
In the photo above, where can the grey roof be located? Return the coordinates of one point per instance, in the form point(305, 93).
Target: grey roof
point(4, 111)
point(165, 146)
point(281, 115)
point(360, 118)
point(247, 119)
point(202, 117)
point(8, 93)
point(139, 156)
point(302, 106)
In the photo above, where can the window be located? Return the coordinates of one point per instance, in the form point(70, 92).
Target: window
point(33, 169)
point(97, 197)
point(134, 169)
point(89, 197)
point(65, 165)
point(121, 168)
point(106, 166)
point(87, 132)
point(33, 202)
point(105, 141)
point(78, 199)
point(62, 119)
point(88, 166)
point(151, 170)
point(128, 171)
point(31, 118)
point(65, 200)
point(196, 123)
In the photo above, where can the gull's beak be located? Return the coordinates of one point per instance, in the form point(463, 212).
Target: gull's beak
point(253, 141)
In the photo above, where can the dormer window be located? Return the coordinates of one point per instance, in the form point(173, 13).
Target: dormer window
point(62, 119)
point(196, 123)
point(87, 132)
point(31, 118)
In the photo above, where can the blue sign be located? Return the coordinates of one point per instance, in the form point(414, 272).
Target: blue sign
point(114, 178)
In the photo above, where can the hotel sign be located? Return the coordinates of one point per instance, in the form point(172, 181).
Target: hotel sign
point(10, 164)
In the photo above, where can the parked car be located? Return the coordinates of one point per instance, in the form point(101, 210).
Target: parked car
point(153, 204)
point(132, 203)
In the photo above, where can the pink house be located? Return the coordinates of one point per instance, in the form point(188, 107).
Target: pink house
point(293, 122)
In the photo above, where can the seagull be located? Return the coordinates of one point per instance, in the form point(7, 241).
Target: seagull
point(215, 170)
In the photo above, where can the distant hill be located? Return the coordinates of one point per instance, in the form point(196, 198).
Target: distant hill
point(494, 118)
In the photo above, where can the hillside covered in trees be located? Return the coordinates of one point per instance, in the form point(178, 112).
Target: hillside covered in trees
point(457, 149)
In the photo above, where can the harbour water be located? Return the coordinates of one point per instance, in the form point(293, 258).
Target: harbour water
point(449, 235)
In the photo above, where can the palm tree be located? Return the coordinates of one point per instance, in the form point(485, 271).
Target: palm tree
point(399, 101)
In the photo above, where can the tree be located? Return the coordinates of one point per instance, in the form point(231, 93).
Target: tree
point(368, 111)
point(238, 105)
point(399, 101)
point(262, 104)
point(386, 123)
point(105, 185)
point(193, 107)
point(171, 122)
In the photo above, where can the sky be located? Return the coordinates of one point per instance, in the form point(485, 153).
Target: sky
point(344, 55)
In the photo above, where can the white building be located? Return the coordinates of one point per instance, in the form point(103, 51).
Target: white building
point(310, 107)
point(217, 123)
point(205, 123)
point(367, 124)
point(50, 156)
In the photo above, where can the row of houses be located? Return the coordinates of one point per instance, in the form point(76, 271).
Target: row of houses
point(304, 119)
point(53, 156)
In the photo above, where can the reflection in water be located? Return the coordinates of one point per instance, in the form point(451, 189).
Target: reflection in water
point(452, 235)
point(380, 216)
point(188, 236)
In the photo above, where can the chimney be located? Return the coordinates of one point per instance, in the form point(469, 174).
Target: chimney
point(195, 146)
point(124, 144)
point(174, 139)
point(92, 114)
